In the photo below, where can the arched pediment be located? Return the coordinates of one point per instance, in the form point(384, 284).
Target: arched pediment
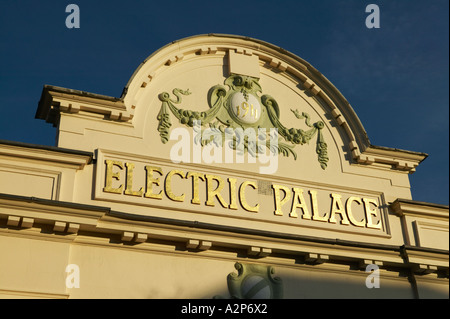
point(295, 87)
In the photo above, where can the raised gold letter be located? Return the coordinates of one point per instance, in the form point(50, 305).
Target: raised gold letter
point(278, 202)
point(243, 199)
point(371, 213)
point(214, 192)
point(168, 186)
point(129, 182)
point(338, 208)
point(233, 204)
point(151, 180)
point(299, 201)
point(110, 175)
point(195, 192)
point(348, 206)
point(315, 208)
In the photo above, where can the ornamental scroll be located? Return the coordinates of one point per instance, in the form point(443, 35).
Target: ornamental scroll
point(238, 107)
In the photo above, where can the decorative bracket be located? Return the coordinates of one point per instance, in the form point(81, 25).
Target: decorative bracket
point(254, 282)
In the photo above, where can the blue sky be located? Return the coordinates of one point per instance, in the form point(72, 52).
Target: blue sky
point(395, 77)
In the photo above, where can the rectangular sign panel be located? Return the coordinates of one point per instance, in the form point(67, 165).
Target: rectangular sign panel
point(199, 192)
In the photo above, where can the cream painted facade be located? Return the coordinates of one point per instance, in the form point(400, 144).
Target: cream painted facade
point(130, 205)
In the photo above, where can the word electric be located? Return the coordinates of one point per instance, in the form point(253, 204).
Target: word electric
point(232, 194)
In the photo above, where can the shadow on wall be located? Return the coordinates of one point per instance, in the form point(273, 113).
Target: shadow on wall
point(253, 281)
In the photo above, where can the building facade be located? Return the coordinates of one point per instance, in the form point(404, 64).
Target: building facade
point(228, 168)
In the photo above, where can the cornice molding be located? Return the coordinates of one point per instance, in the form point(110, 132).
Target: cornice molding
point(25, 215)
point(391, 158)
point(55, 100)
point(405, 207)
point(73, 158)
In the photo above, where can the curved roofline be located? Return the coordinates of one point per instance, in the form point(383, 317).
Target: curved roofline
point(362, 151)
point(279, 49)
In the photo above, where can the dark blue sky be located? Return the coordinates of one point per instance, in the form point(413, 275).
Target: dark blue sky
point(395, 77)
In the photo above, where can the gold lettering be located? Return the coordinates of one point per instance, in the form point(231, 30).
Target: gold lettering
point(151, 180)
point(110, 175)
point(243, 198)
point(195, 187)
point(233, 203)
point(244, 106)
point(168, 186)
point(371, 213)
point(338, 208)
point(253, 111)
point(299, 202)
point(370, 217)
point(214, 192)
point(129, 182)
point(278, 202)
point(315, 208)
point(348, 206)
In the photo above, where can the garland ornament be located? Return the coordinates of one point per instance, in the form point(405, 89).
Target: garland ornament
point(238, 108)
